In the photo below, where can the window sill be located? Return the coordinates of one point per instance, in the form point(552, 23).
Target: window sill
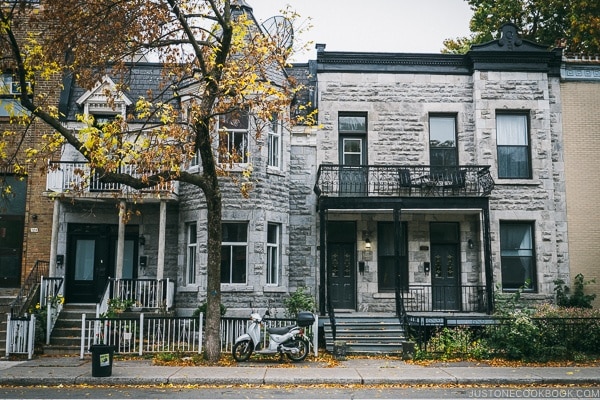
point(274, 289)
point(275, 171)
point(232, 287)
point(188, 288)
point(517, 182)
point(384, 295)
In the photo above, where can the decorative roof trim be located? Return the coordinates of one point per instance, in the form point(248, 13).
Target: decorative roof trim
point(97, 95)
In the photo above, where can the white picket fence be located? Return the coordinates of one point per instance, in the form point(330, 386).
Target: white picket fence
point(158, 334)
point(20, 335)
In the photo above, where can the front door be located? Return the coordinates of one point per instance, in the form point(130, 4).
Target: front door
point(341, 263)
point(12, 224)
point(445, 267)
point(91, 260)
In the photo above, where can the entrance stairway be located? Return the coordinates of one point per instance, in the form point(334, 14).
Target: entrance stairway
point(7, 296)
point(66, 335)
point(366, 333)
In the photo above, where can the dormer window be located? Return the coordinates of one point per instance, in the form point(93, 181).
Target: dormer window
point(104, 102)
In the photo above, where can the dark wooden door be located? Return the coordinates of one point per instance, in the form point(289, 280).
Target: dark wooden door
point(444, 277)
point(342, 273)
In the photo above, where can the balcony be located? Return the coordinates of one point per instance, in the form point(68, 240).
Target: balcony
point(76, 177)
point(403, 181)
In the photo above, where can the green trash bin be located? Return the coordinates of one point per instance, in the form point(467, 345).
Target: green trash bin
point(102, 359)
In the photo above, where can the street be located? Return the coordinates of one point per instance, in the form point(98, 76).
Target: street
point(299, 392)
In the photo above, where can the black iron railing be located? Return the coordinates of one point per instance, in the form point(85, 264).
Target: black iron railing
point(29, 288)
point(403, 180)
point(431, 298)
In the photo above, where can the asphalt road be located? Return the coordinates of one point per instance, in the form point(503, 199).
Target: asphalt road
point(295, 392)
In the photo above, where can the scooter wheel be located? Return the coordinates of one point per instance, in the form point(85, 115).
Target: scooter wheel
point(242, 350)
point(303, 348)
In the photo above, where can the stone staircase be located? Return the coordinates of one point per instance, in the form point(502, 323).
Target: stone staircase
point(7, 295)
point(66, 335)
point(366, 333)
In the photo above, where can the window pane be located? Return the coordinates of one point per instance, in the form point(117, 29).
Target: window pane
point(511, 130)
point(234, 232)
point(442, 132)
point(352, 123)
point(231, 121)
point(84, 262)
point(517, 258)
point(238, 264)
point(513, 162)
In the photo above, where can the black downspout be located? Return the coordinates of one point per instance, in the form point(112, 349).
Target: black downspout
point(487, 256)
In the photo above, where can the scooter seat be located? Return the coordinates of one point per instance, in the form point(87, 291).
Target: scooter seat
point(280, 331)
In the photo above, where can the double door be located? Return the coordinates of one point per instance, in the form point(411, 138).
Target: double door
point(92, 259)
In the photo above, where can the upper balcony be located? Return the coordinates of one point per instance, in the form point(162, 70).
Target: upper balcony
point(403, 181)
point(72, 177)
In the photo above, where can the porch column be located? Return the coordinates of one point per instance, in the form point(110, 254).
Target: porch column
point(487, 259)
point(121, 240)
point(54, 237)
point(160, 267)
point(397, 266)
point(322, 253)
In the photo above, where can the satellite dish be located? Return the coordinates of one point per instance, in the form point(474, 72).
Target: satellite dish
point(280, 29)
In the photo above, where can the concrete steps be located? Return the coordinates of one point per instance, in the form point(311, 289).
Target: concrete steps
point(374, 334)
point(66, 335)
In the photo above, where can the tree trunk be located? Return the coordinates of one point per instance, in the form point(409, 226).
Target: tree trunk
point(212, 350)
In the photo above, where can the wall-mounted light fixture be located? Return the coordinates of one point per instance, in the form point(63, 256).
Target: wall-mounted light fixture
point(34, 217)
point(368, 244)
point(60, 260)
point(470, 243)
point(142, 240)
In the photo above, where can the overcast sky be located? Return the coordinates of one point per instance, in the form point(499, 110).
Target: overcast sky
point(396, 26)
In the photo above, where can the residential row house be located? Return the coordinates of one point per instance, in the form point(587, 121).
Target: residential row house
point(430, 183)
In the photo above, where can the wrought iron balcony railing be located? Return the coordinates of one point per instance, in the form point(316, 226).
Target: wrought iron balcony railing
point(71, 176)
point(403, 180)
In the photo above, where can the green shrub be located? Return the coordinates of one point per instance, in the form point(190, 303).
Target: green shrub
point(299, 301)
point(202, 309)
point(451, 343)
point(578, 298)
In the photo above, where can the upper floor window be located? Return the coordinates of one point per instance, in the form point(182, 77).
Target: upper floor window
point(234, 138)
point(234, 252)
point(352, 128)
point(442, 141)
point(9, 92)
point(517, 256)
point(512, 139)
point(192, 246)
point(274, 142)
point(273, 254)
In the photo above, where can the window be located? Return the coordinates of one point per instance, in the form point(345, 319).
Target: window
point(273, 254)
point(275, 131)
point(442, 141)
point(352, 128)
point(9, 102)
point(513, 146)
point(386, 264)
point(233, 252)
point(192, 246)
point(233, 138)
point(517, 256)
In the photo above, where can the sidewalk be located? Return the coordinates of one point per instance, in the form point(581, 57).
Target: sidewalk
point(72, 370)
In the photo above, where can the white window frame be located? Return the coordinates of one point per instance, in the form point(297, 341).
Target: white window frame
point(233, 136)
point(273, 254)
point(10, 104)
point(275, 137)
point(191, 253)
point(231, 245)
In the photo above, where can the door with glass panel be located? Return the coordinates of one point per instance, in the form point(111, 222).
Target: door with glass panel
point(445, 266)
point(92, 260)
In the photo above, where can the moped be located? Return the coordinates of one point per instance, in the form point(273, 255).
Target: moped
point(288, 340)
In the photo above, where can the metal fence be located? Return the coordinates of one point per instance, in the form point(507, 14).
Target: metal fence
point(570, 335)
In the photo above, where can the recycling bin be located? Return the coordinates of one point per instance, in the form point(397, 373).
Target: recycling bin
point(102, 359)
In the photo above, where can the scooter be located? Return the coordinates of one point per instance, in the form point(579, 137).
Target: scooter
point(288, 340)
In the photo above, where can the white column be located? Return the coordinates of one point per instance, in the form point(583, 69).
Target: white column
point(121, 240)
point(54, 238)
point(160, 268)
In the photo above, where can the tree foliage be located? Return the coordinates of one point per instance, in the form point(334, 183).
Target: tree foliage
point(572, 24)
point(216, 61)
